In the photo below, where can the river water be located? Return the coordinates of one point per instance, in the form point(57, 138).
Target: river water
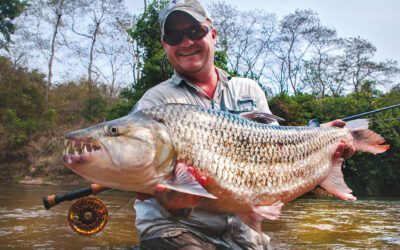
point(305, 224)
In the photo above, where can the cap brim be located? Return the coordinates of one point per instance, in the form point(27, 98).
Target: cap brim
point(198, 17)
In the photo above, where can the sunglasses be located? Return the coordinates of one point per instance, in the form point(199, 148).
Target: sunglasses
point(195, 32)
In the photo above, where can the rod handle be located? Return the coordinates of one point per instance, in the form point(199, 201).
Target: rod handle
point(53, 200)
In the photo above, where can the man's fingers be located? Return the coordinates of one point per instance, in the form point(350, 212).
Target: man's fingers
point(160, 188)
point(339, 151)
point(336, 123)
point(344, 151)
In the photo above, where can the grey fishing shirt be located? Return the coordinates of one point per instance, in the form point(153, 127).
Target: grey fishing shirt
point(235, 95)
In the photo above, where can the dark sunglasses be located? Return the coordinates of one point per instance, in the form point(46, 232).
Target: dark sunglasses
point(195, 32)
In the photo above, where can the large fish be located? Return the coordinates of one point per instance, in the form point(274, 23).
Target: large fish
point(251, 167)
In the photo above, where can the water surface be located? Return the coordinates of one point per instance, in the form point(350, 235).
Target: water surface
point(305, 224)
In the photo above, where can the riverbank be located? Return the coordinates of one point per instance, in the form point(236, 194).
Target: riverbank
point(66, 180)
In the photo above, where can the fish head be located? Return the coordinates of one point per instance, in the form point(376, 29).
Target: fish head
point(132, 153)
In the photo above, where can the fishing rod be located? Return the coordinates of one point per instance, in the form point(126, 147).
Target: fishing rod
point(316, 123)
point(349, 118)
point(53, 200)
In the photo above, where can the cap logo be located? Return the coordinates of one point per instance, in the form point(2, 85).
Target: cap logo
point(178, 1)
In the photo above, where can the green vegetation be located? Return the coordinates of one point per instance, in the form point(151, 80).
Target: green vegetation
point(366, 174)
point(9, 10)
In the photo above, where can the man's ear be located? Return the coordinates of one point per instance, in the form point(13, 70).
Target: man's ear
point(214, 33)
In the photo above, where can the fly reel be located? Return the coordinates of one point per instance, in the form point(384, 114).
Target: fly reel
point(88, 216)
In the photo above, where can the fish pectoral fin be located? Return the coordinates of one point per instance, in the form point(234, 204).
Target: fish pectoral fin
point(185, 182)
point(193, 188)
point(254, 219)
point(334, 182)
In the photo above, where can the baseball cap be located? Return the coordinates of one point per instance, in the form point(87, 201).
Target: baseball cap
point(191, 7)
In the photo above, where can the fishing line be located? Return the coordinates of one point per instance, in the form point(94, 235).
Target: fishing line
point(122, 206)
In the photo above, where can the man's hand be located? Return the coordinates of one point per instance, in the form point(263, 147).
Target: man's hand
point(344, 150)
point(171, 199)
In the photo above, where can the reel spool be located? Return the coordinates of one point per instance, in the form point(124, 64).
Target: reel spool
point(88, 216)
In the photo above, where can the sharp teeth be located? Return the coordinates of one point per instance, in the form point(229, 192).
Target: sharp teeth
point(85, 150)
point(76, 153)
point(65, 143)
point(67, 149)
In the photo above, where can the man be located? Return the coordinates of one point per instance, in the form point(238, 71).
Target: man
point(164, 221)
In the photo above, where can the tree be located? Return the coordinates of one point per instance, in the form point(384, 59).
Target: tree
point(115, 54)
point(43, 27)
point(147, 34)
point(357, 65)
point(297, 32)
point(21, 104)
point(98, 17)
point(318, 75)
point(244, 37)
point(9, 10)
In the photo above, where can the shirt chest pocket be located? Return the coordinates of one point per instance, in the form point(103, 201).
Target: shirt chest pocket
point(246, 104)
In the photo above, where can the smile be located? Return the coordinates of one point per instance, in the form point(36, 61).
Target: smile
point(189, 53)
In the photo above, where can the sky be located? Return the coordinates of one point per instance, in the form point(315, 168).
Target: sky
point(377, 21)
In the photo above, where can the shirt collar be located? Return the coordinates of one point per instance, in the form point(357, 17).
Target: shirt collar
point(224, 78)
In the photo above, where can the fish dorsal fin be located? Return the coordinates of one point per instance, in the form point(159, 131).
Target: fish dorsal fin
point(314, 123)
point(185, 182)
point(261, 117)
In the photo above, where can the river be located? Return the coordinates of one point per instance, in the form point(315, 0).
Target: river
point(306, 223)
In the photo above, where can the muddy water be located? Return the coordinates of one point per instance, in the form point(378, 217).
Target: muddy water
point(306, 223)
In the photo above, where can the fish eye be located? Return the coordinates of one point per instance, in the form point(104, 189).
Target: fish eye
point(113, 130)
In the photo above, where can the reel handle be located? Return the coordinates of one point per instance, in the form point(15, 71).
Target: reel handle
point(53, 200)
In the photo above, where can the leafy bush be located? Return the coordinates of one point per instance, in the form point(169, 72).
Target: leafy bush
point(366, 174)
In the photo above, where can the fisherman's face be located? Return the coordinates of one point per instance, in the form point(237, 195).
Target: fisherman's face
point(190, 57)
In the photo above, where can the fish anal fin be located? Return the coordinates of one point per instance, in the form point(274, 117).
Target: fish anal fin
point(185, 182)
point(254, 219)
point(334, 182)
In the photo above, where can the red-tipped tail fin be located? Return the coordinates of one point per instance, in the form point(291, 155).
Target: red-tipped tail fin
point(366, 140)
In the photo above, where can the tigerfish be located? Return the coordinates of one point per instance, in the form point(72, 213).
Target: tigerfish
point(252, 168)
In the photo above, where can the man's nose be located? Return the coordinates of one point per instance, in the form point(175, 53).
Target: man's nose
point(186, 41)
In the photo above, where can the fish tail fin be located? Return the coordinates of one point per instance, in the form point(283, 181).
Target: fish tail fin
point(334, 183)
point(365, 140)
point(254, 219)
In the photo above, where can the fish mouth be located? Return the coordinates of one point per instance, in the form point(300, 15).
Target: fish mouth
point(78, 150)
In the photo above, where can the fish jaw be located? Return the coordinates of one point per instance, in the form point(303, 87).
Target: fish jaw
point(88, 158)
point(80, 150)
point(132, 153)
